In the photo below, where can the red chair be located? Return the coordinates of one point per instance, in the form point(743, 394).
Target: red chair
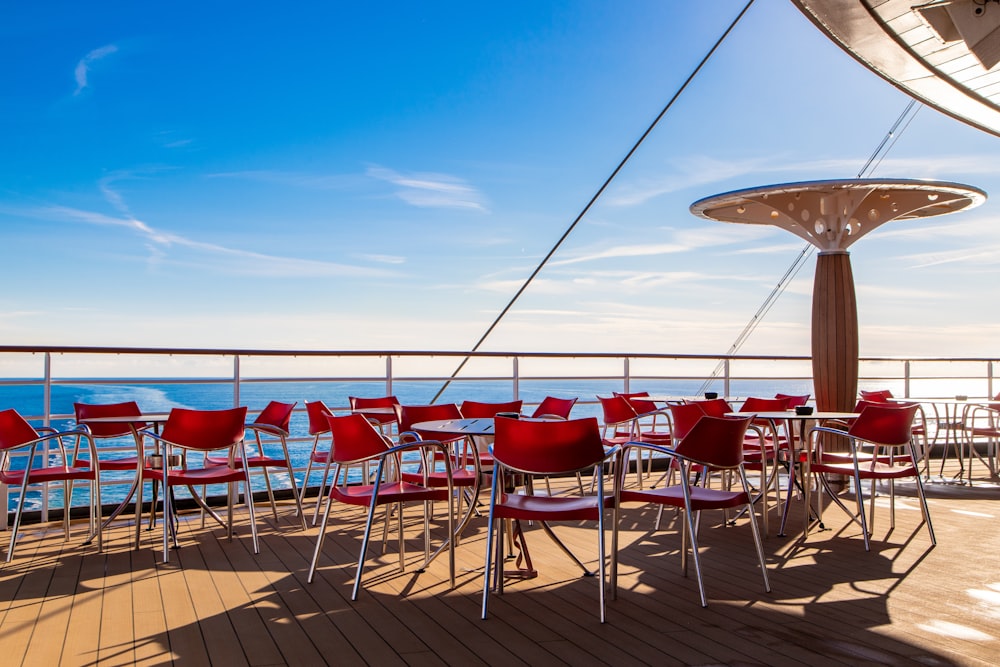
point(714, 443)
point(762, 453)
point(317, 412)
point(554, 407)
point(474, 409)
point(477, 410)
point(270, 425)
point(886, 428)
point(545, 448)
point(381, 411)
point(877, 396)
point(620, 425)
point(192, 432)
point(110, 431)
point(48, 446)
point(645, 409)
point(358, 442)
point(465, 469)
point(794, 400)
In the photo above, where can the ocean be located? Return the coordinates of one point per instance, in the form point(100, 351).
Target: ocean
point(28, 401)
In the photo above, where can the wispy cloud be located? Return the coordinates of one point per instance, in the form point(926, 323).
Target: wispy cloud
point(428, 190)
point(83, 67)
point(230, 260)
point(643, 250)
point(384, 259)
point(162, 246)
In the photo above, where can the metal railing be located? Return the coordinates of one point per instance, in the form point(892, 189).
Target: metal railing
point(40, 381)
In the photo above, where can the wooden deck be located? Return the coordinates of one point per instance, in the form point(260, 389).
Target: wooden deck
point(217, 603)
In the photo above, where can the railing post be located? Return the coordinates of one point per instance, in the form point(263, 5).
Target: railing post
point(516, 372)
point(989, 379)
point(47, 393)
point(388, 375)
point(906, 378)
point(47, 420)
point(627, 379)
point(236, 381)
point(725, 378)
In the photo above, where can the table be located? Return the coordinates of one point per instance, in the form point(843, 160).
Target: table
point(154, 418)
point(952, 423)
point(483, 426)
point(789, 415)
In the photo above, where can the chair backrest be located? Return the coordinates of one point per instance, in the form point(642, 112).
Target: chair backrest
point(879, 396)
point(414, 414)
point(472, 409)
point(354, 438)
point(276, 414)
point(862, 404)
point(884, 424)
point(359, 403)
point(317, 413)
point(714, 407)
point(639, 402)
point(617, 410)
point(558, 407)
point(716, 441)
point(548, 447)
point(205, 429)
point(794, 400)
point(684, 417)
point(757, 404)
point(126, 409)
point(14, 430)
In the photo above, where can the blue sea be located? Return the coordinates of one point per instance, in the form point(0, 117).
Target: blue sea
point(28, 401)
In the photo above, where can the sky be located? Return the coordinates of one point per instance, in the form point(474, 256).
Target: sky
point(386, 175)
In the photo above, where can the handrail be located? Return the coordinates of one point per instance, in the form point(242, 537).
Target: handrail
point(635, 371)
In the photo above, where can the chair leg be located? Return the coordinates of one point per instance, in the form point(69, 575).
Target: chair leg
point(491, 530)
point(319, 541)
point(17, 513)
point(364, 544)
point(756, 534)
point(248, 495)
point(95, 497)
point(295, 494)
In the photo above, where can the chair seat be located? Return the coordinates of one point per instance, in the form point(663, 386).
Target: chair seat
point(361, 494)
point(320, 456)
point(461, 477)
point(701, 498)
point(197, 476)
point(553, 508)
point(257, 461)
point(124, 463)
point(878, 471)
point(47, 474)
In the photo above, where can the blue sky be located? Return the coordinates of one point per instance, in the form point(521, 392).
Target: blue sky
point(386, 175)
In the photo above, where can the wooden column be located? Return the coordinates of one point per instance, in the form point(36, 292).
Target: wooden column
point(835, 333)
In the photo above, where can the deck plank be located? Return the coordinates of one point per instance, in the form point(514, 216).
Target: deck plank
point(218, 603)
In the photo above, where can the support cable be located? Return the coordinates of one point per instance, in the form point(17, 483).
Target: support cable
point(593, 199)
point(874, 160)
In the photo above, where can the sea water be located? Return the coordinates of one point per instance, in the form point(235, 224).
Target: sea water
point(29, 400)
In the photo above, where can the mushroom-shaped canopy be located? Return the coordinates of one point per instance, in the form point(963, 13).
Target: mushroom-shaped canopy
point(834, 214)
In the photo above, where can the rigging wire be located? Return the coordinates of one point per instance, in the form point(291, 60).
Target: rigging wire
point(594, 199)
point(873, 163)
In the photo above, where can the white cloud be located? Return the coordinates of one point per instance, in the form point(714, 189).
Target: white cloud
point(229, 260)
point(83, 67)
point(428, 190)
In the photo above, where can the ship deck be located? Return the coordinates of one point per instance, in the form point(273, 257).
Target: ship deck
point(216, 602)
